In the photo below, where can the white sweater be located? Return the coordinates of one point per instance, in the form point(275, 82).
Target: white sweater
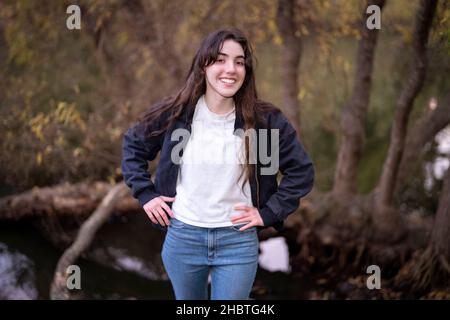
point(207, 187)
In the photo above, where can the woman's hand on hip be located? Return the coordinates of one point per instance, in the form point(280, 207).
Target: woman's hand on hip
point(157, 210)
point(250, 215)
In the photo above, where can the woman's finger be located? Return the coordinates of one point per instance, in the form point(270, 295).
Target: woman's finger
point(242, 222)
point(241, 216)
point(167, 209)
point(157, 216)
point(245, 219)
point(247, 226)
point(163, 215)
point(242, 208)
point(150, 215)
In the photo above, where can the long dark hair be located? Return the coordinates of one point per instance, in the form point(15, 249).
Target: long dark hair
point(247, 104)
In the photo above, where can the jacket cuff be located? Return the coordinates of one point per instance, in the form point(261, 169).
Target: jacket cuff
point(268, 216)
point(146, 195)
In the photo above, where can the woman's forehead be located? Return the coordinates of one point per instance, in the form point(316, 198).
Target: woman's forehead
point(232, 48)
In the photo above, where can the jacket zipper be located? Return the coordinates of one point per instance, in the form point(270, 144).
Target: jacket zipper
point(257, 185)
point(256, 177)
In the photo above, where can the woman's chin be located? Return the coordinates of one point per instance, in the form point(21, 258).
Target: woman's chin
point(227, 93)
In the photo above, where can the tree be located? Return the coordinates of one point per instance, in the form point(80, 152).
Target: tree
point(440, 237)
point(292, 48)
point(423, 131)
point(432, 266)
point(354, 115)
point(385, 218)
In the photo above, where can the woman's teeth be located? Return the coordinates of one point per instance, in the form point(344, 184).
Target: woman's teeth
point(229, 81)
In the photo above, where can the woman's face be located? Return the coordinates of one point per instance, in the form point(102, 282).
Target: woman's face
point(226, 75)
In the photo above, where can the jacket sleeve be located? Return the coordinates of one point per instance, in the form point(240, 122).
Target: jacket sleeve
point(298, 176)
point(136, 152)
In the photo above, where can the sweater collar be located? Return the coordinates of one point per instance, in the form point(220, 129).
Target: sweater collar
point(188, 114)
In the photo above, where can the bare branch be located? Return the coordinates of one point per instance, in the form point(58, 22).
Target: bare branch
point(84, 238)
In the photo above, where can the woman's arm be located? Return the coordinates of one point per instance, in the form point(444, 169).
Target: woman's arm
point(135, 156)
point(298, 175)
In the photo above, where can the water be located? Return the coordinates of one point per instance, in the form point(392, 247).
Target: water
point(17, 275)
point(27, 263)
point(274, 255)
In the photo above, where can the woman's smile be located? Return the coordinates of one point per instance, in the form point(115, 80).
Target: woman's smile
point(229, 81)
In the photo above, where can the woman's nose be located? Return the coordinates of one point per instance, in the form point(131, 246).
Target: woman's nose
point(230, 67)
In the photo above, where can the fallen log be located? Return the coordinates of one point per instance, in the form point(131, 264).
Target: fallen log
point(62, 200)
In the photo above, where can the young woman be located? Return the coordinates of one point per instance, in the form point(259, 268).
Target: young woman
point(215, 186)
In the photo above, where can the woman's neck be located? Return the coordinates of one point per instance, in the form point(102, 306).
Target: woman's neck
point(218, 104)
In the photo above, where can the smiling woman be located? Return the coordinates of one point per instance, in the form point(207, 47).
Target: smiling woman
point(224, 77)
point(210, 213)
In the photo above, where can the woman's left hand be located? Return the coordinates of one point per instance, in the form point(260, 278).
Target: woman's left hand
point(250, 215)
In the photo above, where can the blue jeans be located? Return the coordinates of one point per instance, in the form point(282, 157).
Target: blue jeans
point(190, 253)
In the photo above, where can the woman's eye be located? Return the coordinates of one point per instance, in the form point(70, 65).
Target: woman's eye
point(240, 63)
point(220, 60)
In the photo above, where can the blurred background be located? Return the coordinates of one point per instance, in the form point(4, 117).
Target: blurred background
point(372, 108)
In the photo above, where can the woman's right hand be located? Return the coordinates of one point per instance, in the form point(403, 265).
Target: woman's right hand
point(157, 210)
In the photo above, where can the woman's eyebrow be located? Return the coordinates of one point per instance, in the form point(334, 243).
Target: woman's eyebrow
point(226, 55)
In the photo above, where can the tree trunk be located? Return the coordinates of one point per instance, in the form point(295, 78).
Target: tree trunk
point(354, 115)
point(431, 268)
point(384, 216)
point(440, 236)
point(62, 200)
point(292, 48)
point(84, 238)
point(422, 132)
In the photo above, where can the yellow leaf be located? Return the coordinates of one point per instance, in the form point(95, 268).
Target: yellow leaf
point(77, 152)
point(39, 158)
point(301, 93)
